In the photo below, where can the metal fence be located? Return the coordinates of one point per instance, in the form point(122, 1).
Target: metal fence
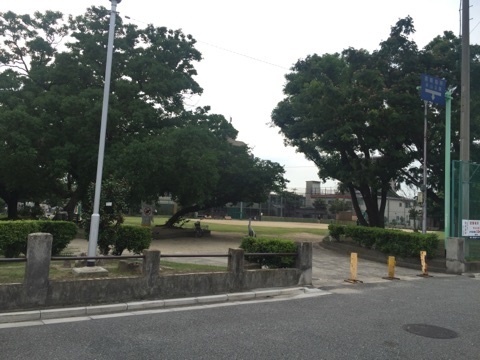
point(465, 204)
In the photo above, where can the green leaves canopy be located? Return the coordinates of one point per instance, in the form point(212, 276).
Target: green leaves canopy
point(358, 115)
point(50, 110)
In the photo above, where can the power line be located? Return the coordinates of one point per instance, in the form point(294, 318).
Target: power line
point(225, 49)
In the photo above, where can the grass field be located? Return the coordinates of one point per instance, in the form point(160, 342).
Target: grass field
point(15, 272)
point(224, 227)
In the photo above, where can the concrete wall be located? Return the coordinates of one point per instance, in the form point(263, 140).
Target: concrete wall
point(151, 285)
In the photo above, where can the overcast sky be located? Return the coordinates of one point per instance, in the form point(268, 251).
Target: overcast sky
point(248, 46)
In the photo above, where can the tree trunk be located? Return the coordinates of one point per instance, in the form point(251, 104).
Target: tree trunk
point(180, 213)
point(70, 207)
point(12, 202)
point(361, 219)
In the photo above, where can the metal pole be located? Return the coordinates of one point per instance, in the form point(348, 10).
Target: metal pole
point(424, 211)
point(95, 219)
point(465, 86)
point(465, 112)
point(448, 142)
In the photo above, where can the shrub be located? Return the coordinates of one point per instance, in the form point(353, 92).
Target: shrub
point(107, 237)
point(133, 238)
point(394, 242)
point(269, 245)
point(336, 231)
point(62, 232)
point(111, 218)
point(14, 235)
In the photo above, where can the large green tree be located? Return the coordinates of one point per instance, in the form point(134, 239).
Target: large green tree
point(358, 115)
point(26, 170)
point(152, 141)
point(53, 99)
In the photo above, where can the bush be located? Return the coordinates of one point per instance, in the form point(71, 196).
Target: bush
point(269, 245)
point(336, 231)
point(393, 242)
point(14, 235)
point(62, 231)
point(133, 238)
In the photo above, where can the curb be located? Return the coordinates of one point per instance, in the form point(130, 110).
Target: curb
point(94, 311)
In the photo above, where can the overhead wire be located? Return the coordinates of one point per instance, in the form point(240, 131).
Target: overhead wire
point(225, 49)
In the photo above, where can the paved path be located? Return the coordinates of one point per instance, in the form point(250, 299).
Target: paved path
point(330, 268)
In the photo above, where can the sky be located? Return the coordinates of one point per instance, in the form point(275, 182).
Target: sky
point(248, 46)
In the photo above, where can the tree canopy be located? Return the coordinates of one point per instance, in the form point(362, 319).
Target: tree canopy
point(358, 115)
point(51, 92)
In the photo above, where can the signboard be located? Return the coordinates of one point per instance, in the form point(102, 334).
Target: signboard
point(147, 214)
point(433, 89)
point(471, 228)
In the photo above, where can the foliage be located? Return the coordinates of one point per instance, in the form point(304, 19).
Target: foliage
point(132, 238)
point(320, 205)
point(291, 201)
point(14, 235)
point(269, 245)
point(336, 231)
point(392, 242)
point(111, 217)
point(230, 174)
point(414, 214)
point(358, 115)
point(62, 232)
point(51, 103)
point(338, 205)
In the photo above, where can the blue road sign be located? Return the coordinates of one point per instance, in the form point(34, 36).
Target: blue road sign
point(433, 89)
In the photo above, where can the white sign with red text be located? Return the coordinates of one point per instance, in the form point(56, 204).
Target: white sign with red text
point(470, 227)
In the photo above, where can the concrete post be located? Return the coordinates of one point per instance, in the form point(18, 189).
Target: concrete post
point(151, 266)
point(304, 262)
point(236, 261)
point(455, 255)
point(39, 251)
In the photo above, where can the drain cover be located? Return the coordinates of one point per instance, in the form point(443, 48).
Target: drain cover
point(430, 331)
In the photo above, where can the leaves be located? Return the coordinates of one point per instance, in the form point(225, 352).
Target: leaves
point(51, 106)
point(358, 116)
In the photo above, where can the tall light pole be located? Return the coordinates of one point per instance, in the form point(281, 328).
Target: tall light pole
point(465, 113)
point(95, 220)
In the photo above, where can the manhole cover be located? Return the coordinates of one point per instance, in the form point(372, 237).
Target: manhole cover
point(430, 331)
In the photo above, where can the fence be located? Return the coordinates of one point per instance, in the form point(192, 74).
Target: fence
point(38, 291)
point(465, 204)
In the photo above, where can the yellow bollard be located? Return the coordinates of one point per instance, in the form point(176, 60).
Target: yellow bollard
point(391, 269)
point(353, 269)
point(423, 255)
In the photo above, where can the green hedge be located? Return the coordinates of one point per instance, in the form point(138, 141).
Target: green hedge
point(269, 245)
point(115, 239)
point(14, 235)
point(132, 238)
point(393, 242)
point(62, 231)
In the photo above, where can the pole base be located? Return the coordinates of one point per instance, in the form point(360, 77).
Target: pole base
point(352, 281)
point(424, 275)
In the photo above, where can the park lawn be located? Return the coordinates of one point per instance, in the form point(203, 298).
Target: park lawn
point(15, 272)
point(239, 229)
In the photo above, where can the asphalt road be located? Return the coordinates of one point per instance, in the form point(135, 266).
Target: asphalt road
point(365, 322)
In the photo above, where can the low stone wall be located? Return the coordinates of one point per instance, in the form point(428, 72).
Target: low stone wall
point(38, 291)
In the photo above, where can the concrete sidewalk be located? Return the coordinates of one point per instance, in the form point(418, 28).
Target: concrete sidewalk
point(330, 268)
